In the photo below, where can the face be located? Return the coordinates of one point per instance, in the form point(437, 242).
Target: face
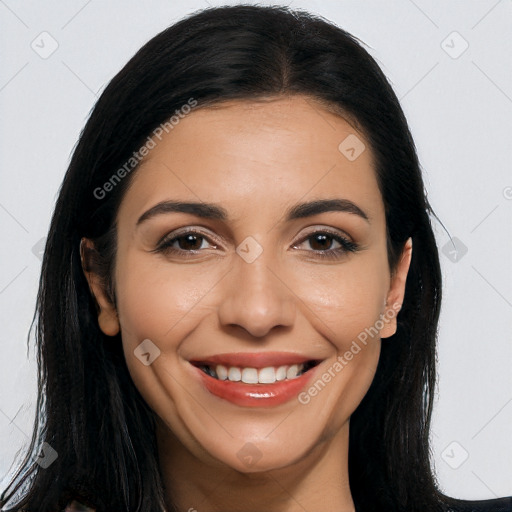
point(252, 259)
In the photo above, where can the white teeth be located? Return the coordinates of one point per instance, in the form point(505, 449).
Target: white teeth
point(234, 374)
point(281, 373)
point(250, 375)
point(292, 371)
point(221, 371)
point(267, 375)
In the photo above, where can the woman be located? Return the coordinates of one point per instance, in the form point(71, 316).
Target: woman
point(241, 288)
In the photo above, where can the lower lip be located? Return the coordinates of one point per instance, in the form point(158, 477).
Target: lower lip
point(256, 395)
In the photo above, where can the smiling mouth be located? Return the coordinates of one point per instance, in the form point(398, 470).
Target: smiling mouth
point(249, 375)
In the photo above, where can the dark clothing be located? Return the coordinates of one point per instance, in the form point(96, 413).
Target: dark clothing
point(497, 505)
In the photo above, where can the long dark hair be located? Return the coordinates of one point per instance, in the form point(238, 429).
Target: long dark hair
point(89, 410)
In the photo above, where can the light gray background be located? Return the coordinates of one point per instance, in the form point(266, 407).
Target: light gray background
point(459, 106)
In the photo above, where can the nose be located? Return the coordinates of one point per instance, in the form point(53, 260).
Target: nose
point(256, 299)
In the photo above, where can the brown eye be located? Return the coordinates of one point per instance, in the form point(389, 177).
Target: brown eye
point(321, 242)
point(190, 242)
point(182, 243)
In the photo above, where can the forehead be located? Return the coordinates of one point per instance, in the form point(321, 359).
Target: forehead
point(254, 155)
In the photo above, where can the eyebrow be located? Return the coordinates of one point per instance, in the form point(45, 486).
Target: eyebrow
point(204, 210)
point(325, 205)
point(213, 211)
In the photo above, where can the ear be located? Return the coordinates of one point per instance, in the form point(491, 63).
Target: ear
point(396, 292)
point(107, 313)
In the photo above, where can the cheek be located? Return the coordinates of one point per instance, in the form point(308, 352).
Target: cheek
point(158, 300)
point(345, 300)
point(346, 306)
point(163, 303)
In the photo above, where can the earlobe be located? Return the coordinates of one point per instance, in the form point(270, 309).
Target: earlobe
point(108, 322)
point(396, 293)
point(107, 315)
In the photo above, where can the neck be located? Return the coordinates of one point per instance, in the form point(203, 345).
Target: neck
point(318, 481)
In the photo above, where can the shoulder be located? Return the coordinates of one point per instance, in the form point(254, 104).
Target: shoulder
point(496, 505)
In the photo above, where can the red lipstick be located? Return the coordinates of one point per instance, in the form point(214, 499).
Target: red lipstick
point(255, 394)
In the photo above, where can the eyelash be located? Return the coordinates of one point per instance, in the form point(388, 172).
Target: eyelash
point(333, 254)
point(165, 245)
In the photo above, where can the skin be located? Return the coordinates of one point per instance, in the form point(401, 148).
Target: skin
point(255, 160)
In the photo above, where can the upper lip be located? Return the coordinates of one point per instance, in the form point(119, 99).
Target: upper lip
point(254, 359)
